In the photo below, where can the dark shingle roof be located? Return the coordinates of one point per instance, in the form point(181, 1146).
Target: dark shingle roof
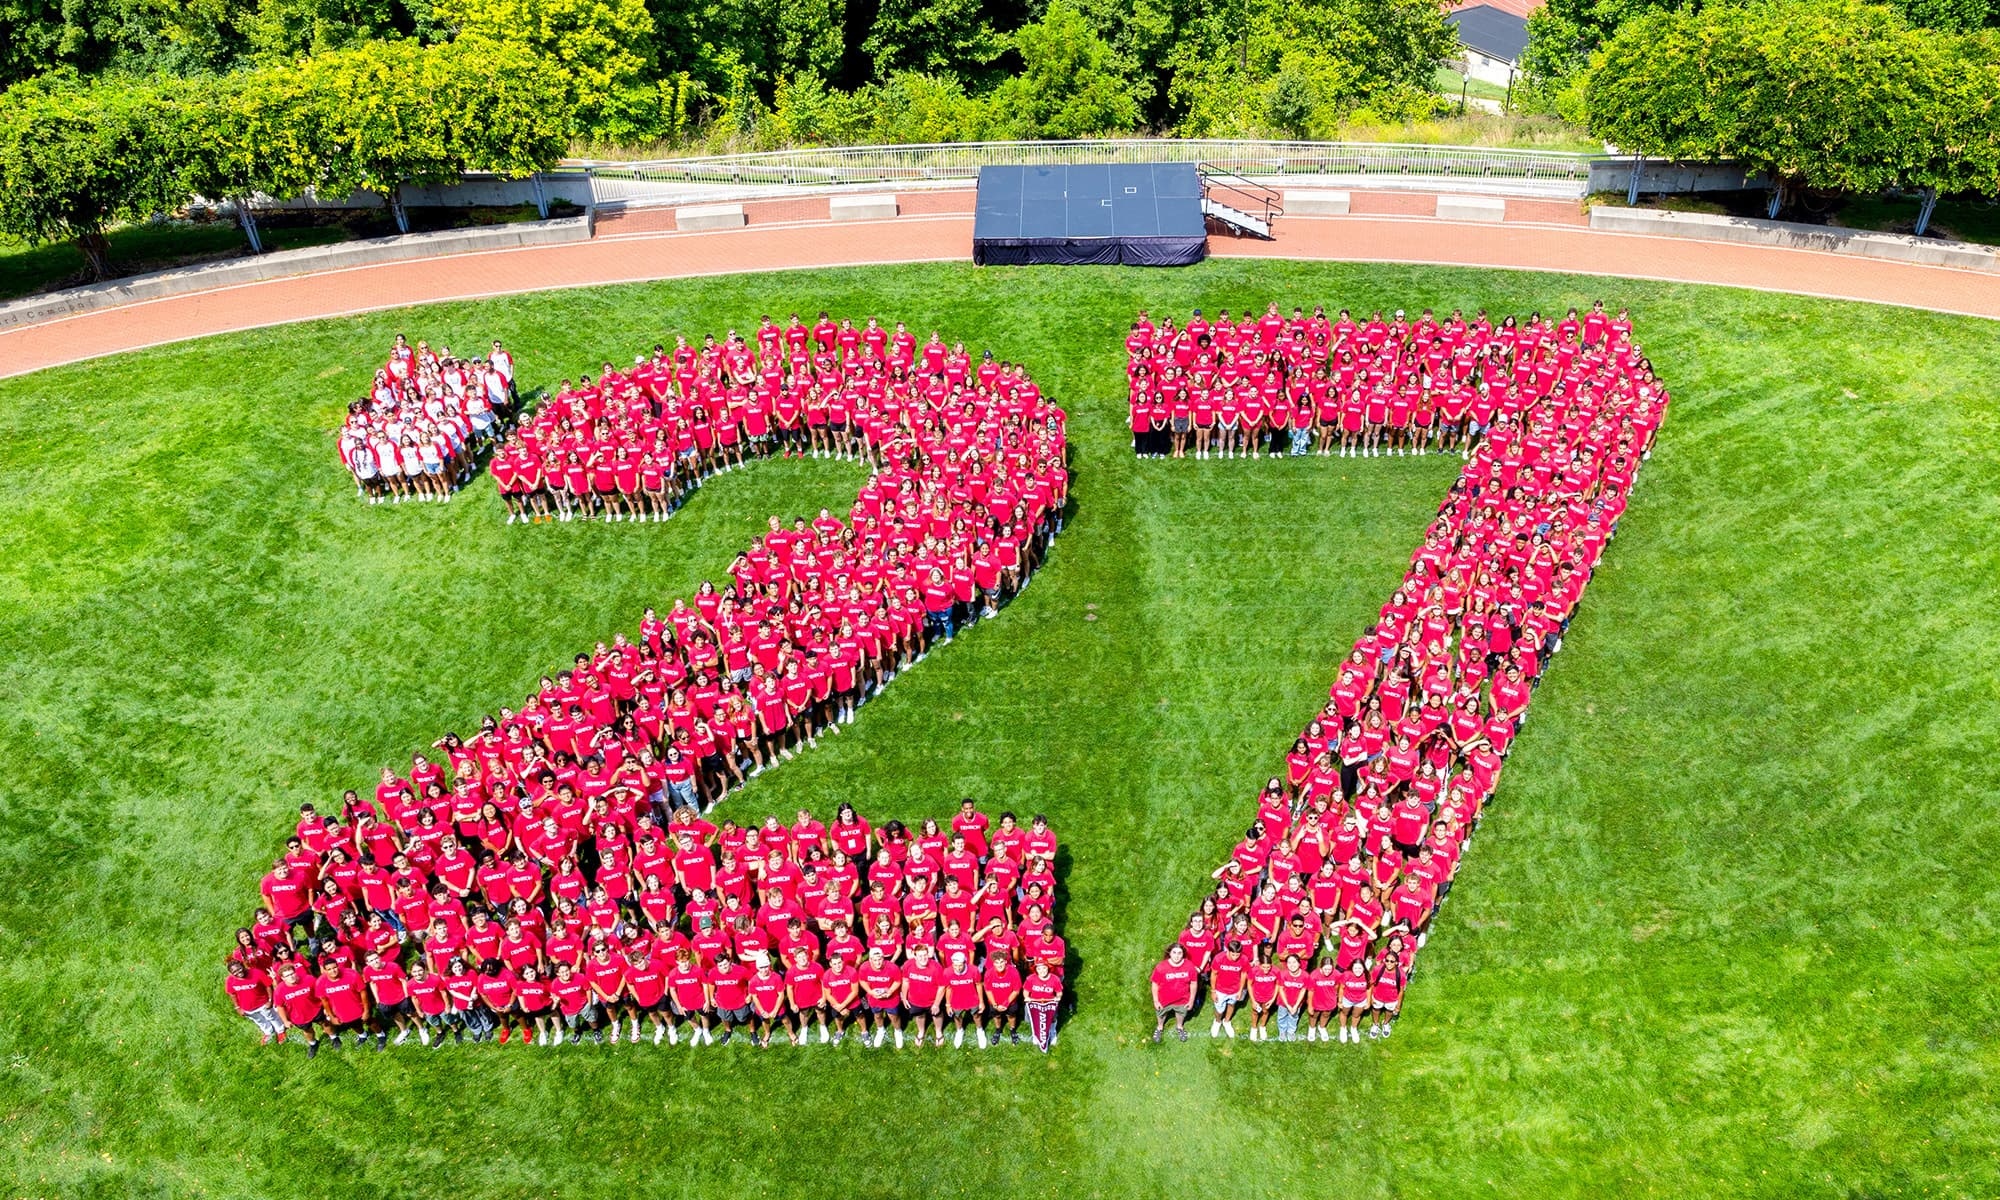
point(1490, 31)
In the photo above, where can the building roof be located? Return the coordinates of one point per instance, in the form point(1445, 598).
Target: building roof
point(1491, 31)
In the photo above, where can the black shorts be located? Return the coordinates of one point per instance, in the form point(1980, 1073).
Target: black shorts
point(391, 1012)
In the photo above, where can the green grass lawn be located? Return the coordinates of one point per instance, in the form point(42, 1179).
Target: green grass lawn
point(1730, 928)
point(1448, 83)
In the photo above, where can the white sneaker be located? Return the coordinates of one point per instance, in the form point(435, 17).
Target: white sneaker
point(424, 1035)
point(1215, 1029)
point(558, 1039)
point(659, 1032)
point(402, 1035)
point(1230, 1030)
point(982, 1037)
point(899, 1039)
point(882, 1033)
point(958, 1039)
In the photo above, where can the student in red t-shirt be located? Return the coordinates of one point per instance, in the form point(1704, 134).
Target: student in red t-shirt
point(882, 984)
point(296, 993)
point(805, 996)
point(389, 989)
point(251, 993)
point(962, 998)
point(766, 988)
point(1228, 980)
point(842, 983)
point(1263, 984)
point(1001, 984)
point(571, 993)
point(687, 991)
point(1041, 996)
point(1173, 991)
point(1322, 999)
point(535, 1007)
point(923, 994)
point(432, 1003)
point(1292, 988)
point(1385, 990)
point(729, 991)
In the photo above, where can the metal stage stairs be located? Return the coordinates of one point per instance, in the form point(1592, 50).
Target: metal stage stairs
point(1243, 206)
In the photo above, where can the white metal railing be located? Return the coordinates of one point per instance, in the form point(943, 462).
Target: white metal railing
point(962, 160)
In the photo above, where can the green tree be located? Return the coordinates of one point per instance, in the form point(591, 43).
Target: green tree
point(1821, 94)
point(1349, 56)
point(1067, 86)
point(1563, 34)
point(375, 107)
point(510, 113)
point(940, 36)
point(76, 157)
point(284, 29)
point(247, 135)
point(809, 37)
point(604, 49)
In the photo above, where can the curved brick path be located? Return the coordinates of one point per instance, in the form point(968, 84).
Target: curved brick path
point(938, 227)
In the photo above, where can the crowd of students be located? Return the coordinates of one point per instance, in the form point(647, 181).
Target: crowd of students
point(1317, 915)
point(615, 918)
point(1277, 385)
point(544, 878)
point(629, 445)
point(427, 416)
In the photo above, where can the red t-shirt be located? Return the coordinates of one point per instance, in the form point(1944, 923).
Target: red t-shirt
point(250, 993)
point(767, 993)
point(1174, 983)
point(883, 984)
point(299, 999)
point(923, 983)
point(1040, 990)
point(731, 985)
point(341, 990)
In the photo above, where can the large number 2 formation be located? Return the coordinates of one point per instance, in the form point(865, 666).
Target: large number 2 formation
point(1316, 917)
point(554, 877)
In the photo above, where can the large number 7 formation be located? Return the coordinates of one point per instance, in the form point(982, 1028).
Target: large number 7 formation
point(1315, 919)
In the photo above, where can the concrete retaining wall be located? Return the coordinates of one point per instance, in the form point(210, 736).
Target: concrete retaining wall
point(709, 216)
point(868, 207)
point(366, 252)
point(1471, 208)
point(1318, 202)
point(1928, 252)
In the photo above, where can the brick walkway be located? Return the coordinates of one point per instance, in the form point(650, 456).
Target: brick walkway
point(937, 226)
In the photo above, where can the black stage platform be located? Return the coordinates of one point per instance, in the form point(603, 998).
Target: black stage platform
point(1135, 214)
